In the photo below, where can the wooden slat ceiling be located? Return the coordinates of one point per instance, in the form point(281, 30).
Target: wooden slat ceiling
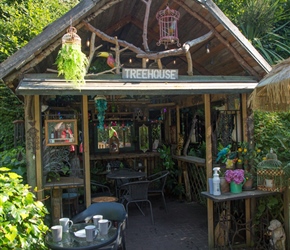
point(124, 19)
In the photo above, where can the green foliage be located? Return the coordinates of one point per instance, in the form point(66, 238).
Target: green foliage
point(172, 179)
point(272, 131)
point(11, 109)
point(264, 22)
point(270, 203)
point(198, 151)
point(72, 62)
point(21, 217)
point(15, 160)
point(22, 20)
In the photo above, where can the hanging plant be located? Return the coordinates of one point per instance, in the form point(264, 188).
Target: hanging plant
point(71, 61)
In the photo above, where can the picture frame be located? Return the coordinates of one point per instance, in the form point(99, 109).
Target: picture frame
point(61, 132)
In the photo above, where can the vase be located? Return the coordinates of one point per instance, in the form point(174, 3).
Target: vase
point(248, 184)
point(236, 188)
point(225, 186)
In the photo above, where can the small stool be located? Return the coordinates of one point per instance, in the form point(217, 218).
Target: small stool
point(104, 199)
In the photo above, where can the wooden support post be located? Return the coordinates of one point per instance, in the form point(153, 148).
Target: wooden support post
point(186, 181)
point(86, 150)
point(56, 205)
point(31, 136)
point(286, 199)
point(38, 147)
point(244, 117)
point(208, 164)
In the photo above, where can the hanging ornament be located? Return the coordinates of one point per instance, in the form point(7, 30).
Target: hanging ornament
point(71, 61)
point(101, 106)
point(168, 31)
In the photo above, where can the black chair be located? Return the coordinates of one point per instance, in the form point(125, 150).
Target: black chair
point(112, 211)
point(157, 184)
point(136, 192)
point(98, 189)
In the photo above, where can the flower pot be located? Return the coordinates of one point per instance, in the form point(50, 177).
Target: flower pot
point(248, 184)
point(225, 186)
point(236, 188)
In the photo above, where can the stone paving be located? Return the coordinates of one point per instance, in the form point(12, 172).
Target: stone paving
point(184, 226)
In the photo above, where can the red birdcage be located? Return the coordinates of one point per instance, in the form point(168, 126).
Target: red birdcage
point(167, 20)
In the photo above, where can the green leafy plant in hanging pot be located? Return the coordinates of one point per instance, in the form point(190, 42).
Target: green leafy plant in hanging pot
point(71, 61)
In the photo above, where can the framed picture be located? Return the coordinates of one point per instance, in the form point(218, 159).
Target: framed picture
point(61, 132)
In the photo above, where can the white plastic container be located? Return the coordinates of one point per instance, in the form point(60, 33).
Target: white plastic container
point(216, 182)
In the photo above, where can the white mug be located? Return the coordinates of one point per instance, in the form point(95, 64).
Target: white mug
point(56, 232)
point(96, 219)
point(104, 226)
point(90, 233)
point(66, 223)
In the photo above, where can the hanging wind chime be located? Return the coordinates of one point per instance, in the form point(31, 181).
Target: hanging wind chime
point(168, 31)
point(101, 106)
point(71, 61)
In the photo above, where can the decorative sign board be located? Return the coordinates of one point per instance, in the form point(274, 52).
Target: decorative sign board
point(146, 74)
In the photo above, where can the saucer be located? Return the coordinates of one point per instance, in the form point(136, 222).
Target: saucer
point(82, 233)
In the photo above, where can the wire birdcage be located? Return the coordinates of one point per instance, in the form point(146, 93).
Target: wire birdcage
point(270, 174)
point(167, 20)
point(71, 37)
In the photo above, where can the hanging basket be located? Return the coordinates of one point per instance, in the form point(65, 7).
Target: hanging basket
point(71, 61)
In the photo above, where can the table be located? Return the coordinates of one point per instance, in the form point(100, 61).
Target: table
point(56, 198)
point(71, 242)
point(104, 199)
point(124, 175)
point(225, 213)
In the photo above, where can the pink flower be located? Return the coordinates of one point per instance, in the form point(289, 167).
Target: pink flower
point(236, 175)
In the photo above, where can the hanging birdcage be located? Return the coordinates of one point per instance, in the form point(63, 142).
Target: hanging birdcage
point(71, 37)
point(270, 174)
point(167, 20)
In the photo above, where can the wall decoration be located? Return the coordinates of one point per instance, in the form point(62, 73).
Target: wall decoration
point(61, 132)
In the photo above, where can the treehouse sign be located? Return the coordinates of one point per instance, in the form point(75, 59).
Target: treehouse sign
point(147, 74)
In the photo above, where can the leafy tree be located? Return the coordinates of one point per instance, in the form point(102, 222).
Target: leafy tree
point(272, 131)
point(264, 22)
point(21, 20)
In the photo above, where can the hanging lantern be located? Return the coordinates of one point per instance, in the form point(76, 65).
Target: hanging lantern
point(167, 20)
point(101, 106)
point(71, 61)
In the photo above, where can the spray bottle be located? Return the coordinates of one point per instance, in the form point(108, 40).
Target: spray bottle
point(216, 182)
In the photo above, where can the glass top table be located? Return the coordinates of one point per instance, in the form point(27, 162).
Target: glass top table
point(71, 242)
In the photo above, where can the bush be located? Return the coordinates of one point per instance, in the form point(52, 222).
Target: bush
point(21, 217)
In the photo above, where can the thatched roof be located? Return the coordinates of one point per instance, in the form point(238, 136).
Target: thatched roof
point(273, 91)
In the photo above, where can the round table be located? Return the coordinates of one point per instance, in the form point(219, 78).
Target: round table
point(71, 242)
point(104, 199)
point(124, 175)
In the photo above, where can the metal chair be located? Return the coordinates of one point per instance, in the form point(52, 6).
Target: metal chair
point(136, 192)
point(98, 189)
point(112, 211)
point(157, 184)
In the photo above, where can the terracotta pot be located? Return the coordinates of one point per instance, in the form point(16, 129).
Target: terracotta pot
point(248, 184)
point(225, 186)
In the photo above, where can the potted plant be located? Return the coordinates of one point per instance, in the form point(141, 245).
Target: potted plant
point(249, 177)
point(236, 178)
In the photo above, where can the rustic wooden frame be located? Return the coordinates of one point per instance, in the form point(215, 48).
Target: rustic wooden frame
point(57, 128)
